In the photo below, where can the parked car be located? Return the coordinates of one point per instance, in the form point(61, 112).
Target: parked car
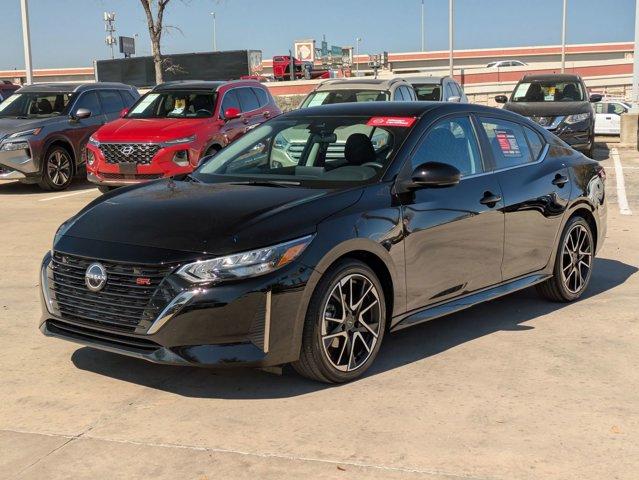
point(438, 89)
point(608, 116)
point(506, 63)
point(558, 102)
point(246, 262)
point(360, 90)
point(7, 89)
point(44, 129)
point(172, 127)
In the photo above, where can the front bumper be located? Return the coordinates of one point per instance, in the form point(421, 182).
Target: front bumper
point(17, 164)
point(255, 323)
point(162, 165)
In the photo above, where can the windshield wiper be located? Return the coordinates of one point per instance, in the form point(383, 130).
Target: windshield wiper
point(269, 183)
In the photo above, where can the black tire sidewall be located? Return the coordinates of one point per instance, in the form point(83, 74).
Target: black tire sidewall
point(320, 296)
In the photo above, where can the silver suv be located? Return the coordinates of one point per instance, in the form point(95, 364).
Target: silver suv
point(360, 90)
point(44, 129)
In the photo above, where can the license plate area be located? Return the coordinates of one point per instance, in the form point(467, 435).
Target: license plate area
point(128, 168)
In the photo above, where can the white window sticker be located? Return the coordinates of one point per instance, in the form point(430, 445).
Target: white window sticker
point(146, 101)
point(318, 99)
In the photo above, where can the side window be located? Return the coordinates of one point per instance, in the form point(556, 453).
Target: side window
point(508, 142)
point(398, 96)
point(451, 141)
point(127, 98)
point(261, 95)
point(111, 101)
point(90, 101)
point(230, 101)
point(448, 92)
point(248, 100)
point(601, 107)
point(616, 108)
point(535, 141)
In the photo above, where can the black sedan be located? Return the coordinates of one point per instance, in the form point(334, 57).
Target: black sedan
point(317, 233)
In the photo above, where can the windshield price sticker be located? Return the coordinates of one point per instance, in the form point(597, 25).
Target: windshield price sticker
point(508, 143)
point(391, 122)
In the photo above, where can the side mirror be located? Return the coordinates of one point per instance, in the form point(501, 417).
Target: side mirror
point(124, 112)
point(595, 97)
point(81, 113)
point(434, 175)
point(231, 113)
point(454, 99)
point(501, 99)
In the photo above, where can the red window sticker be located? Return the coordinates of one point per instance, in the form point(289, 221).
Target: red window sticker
point(391, 121)
point(508, 143)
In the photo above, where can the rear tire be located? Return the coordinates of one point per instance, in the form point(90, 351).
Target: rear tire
point(57, 169)
point(573, 264)
point(105, 188)
point(344, 324)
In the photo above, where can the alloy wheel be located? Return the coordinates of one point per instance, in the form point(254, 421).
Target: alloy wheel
point(351, 322)
point(59, 168)
point(576, 259)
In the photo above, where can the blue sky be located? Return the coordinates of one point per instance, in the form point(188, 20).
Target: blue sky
point(70, 33)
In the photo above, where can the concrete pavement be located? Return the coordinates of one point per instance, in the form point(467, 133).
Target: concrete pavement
point(514, 389)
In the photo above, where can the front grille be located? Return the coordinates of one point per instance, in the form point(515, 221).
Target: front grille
point(121, 305)
point(136, 176)
point(140, 153)
point(543, 121)
point(81, 333)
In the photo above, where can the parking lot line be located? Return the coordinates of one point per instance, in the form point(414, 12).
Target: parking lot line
point(624, 208)
point(48, 199)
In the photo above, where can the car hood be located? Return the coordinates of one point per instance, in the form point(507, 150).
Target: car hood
point(13, 125)
point(152, 129)
point(548, 109)
point(218, 218)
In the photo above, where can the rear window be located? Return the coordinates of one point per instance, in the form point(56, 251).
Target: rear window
point(430, 92)
point(345, 96)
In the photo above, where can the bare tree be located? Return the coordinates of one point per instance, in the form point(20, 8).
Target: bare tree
point(154, 10)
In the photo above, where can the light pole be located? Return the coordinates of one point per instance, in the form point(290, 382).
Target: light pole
point(451, 34)
point(26, 41)
point(214, 39)
point(563, 39)
point(635, 63)
point(357, 42)
point(422, 25)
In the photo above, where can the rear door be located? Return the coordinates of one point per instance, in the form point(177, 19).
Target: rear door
point(455, 235)
point(536, 189)
point(250, 106)
point(602, 119)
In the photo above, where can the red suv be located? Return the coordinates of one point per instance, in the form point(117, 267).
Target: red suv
point(172, 127)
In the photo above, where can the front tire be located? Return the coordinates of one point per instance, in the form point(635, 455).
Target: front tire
point(344, 324)
point(105, 188)
point(57, 170)
point(573, 265)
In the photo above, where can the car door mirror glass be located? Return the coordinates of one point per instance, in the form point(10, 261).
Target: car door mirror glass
point(232, 113)
point(434, 175)
point(501, 98)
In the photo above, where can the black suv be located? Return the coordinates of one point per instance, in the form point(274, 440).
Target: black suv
point(44, 129)
point(559, 103)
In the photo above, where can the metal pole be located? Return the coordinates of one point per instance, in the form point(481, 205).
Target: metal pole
point(635, 63)
point(563, 39)
point(451, 34)
point(26, 41)
point(357, 40)
point(422, 25)
point(214, 33)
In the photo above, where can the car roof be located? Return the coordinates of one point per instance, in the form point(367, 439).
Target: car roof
point(212, 85)
point(426, 80)
point(552, 77)
point(366, 83)
point(72, 87)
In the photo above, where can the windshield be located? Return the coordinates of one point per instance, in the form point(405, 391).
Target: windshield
point(548, 92)
point(176, 104)
point(428, 92)
point(345, 96)
point(314, 151)
point(35, 105)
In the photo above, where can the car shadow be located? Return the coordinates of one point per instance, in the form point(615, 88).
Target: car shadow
point(17, 188)
point(509, 313)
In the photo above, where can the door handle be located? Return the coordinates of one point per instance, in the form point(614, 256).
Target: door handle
point(267, 114)
point(608, 118)
point(560, 180)
point(490, 199)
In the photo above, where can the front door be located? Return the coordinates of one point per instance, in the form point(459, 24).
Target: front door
point(536, 188)
point(454, 235)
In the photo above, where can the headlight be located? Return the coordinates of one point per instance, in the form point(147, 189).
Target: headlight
point(8, 146)
point(93, 141)
point(25, 133)
point(177, 141)
point(579, 117)
point(246, 264)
